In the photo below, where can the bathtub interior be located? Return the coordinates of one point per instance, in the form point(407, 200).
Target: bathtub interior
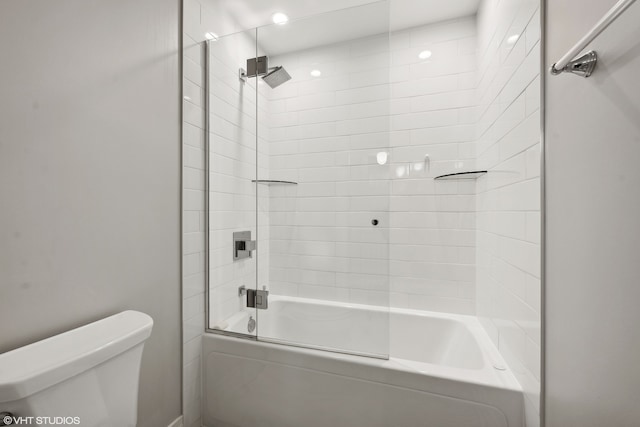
point(436, 340)
point(338, 327)
point(415, 338)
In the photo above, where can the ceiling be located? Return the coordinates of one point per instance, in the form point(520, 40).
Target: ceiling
point(411, 13)
point(358, 22)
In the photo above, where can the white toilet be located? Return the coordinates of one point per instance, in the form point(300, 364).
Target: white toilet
point(87, 376)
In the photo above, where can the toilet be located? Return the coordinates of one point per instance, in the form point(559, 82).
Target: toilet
point(87, 376)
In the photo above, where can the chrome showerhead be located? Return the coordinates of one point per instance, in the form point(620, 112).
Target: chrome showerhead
point(276, 76)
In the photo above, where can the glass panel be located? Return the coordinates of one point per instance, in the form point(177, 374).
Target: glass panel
point(232, 192)
point(324, 217)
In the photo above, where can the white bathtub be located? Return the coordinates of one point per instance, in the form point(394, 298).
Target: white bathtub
point(442, 371)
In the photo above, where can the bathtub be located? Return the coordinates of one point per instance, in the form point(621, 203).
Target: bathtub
point(442, 370)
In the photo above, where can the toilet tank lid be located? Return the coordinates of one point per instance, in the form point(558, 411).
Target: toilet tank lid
point(32, 368)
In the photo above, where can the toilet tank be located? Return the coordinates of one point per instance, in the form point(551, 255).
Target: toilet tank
point(87, 376)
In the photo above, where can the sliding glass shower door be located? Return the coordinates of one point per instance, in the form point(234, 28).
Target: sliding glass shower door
point(299, 144)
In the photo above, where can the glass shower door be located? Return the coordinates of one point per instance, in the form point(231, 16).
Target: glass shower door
point(231, 119)
point(323, 201)
point(299, 181)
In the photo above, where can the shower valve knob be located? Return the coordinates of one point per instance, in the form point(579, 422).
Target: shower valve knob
point(374, 221)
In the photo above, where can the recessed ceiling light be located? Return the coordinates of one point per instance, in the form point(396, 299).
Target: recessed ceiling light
point(211, 36)
point(279, 18)
point(425, 54)
point(513, 38)
point(316, 73)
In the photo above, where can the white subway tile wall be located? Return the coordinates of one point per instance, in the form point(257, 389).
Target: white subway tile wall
point(324, 133)
point(433, 117)
point(356, 138)
point(193, 268)
point(193, 210)
point(508, 197)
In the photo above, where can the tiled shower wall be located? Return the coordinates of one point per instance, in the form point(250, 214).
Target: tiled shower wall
point(326, 133)
point(193, 281)
point(508, 197)
point(433, 114)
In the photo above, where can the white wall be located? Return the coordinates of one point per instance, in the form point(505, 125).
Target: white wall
point(326, 132)
point(592, 210)
point(508, 197)
point(90, 177)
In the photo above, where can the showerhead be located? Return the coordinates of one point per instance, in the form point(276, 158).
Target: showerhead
point(276, 76)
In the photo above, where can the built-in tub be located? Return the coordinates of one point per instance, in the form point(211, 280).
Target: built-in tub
point(442, 370)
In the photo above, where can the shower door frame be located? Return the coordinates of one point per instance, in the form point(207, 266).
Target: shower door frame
point(207, 203)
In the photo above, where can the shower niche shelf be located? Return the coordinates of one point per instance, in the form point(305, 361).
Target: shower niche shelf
point(273, 182)
point(460, 175)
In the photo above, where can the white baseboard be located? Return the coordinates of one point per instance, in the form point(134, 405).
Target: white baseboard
point(177, 422)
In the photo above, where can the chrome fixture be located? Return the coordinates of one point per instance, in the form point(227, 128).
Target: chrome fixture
point(276, 76)
point(242, 245)
point(258, 299)
point(272, 181)
point(259, 66)
point(584, 65)
point(461, 175)
point(255, 299)
point(251, 326)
